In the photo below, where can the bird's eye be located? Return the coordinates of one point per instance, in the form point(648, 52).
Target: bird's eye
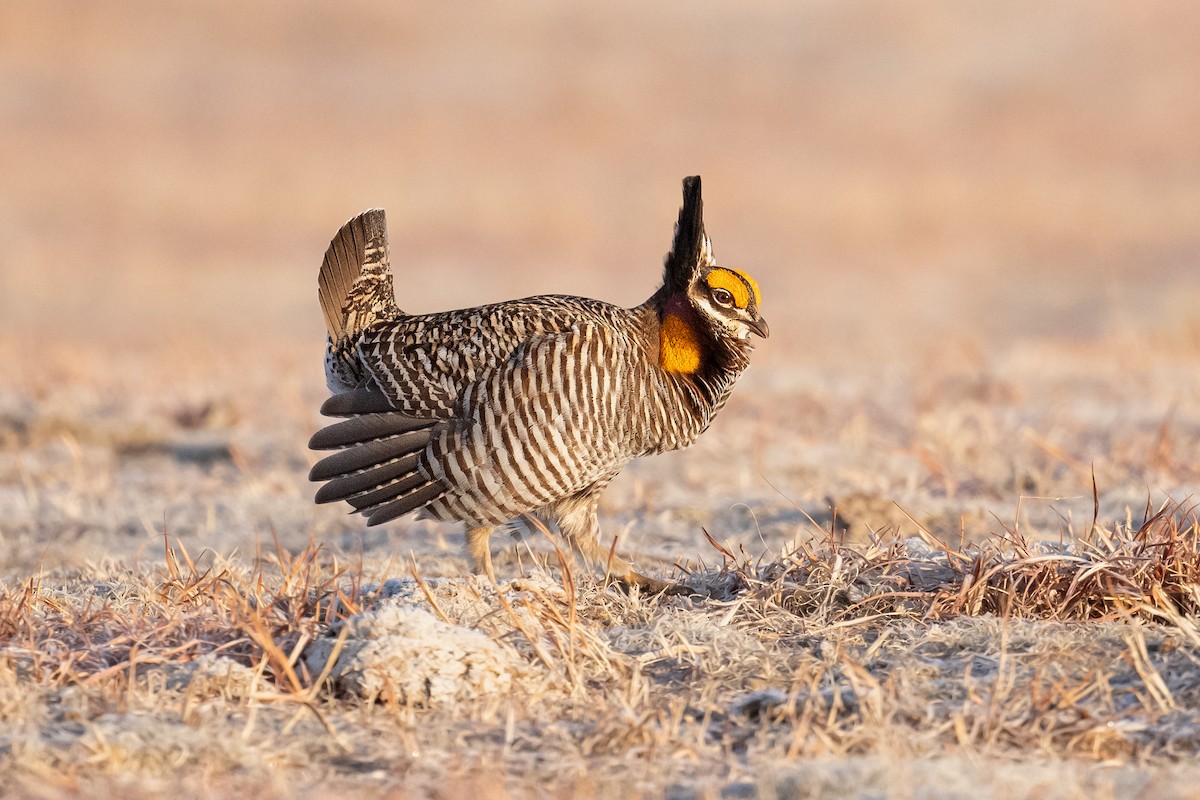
point(722, 297)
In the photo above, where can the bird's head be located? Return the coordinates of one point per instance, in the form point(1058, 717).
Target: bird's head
point(725, 300)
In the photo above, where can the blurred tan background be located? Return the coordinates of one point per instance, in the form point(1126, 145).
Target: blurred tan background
point(894, 173)
point(976, 226)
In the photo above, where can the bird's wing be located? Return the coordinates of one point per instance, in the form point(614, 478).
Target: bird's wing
point(546, 422)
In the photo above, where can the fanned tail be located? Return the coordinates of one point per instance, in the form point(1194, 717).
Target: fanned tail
point(356, 292)
point(355, 283)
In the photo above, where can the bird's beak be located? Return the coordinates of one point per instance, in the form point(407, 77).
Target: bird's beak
point(759, 327)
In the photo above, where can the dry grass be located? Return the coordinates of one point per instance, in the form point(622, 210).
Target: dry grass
point(841, 655)
point(1151, 570)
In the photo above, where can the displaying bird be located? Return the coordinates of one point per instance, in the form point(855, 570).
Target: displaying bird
point(527, 408)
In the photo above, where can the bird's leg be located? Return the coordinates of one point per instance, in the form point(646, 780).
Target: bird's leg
point(580, 527)
point(650, 585)
point(478, 551)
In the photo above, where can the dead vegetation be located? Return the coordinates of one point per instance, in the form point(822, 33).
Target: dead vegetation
point(1151, 570)
point(356, 674)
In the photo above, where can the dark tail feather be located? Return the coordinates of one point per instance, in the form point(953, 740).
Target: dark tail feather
point(365, 400)
point(368, 454)
point(357, 484)
point(370, 501)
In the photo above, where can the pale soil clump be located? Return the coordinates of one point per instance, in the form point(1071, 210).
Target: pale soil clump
point(408, 654)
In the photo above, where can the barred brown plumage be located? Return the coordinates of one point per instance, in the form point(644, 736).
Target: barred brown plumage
point(529, 407)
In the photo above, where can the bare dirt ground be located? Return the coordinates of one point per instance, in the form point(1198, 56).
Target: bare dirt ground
point(937, 567)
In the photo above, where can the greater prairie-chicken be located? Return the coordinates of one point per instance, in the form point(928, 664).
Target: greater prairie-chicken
point(529, 407)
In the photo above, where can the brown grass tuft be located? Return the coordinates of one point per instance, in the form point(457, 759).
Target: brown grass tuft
point(1150, 571)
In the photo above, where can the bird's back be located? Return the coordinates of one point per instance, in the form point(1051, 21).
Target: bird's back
point(425, 363)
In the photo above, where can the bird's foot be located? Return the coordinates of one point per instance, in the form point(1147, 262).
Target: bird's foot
point(653, 586)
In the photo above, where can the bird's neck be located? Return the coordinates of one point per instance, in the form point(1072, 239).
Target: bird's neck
point(681, 345)
point(697, 366)
point(688, 348)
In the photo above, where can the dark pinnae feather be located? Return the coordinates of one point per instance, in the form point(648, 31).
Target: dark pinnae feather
point(368, 454)
point(365, 428)
point(687, 250)
point(365, 400)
